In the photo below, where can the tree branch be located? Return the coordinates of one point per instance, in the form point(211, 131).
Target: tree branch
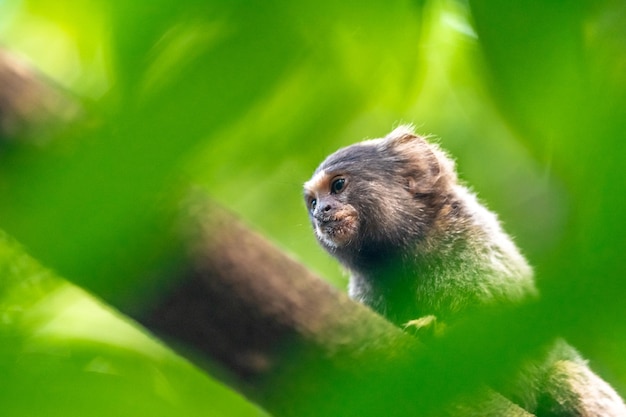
point(30, 105)
point(287, 340)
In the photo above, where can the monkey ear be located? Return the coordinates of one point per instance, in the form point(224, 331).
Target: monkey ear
point(426, 167)
point(401, 135)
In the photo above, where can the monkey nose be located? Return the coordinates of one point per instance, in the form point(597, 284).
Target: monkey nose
point(324, 213)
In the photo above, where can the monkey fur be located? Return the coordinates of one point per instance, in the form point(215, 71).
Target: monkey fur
point(418, 244)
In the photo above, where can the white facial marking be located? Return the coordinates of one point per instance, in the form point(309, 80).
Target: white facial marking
point(316, 183)
point(323, 237)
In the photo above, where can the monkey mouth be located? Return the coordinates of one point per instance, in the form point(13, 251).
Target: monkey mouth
point(337, 230)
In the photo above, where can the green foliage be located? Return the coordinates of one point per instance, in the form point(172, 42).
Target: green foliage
point(244, 99)
point(63, 353)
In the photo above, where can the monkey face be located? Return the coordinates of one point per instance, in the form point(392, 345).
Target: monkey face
point(358, 200)
point(334, 219)
point(377, 197)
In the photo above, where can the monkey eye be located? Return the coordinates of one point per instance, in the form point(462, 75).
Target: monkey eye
point(312, 203)
point(337, 185)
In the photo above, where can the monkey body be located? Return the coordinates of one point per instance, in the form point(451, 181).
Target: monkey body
point(464, 261)
point(415, 241)
point(418, 244)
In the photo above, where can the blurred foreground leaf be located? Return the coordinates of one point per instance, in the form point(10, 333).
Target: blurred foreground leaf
point(558, 70)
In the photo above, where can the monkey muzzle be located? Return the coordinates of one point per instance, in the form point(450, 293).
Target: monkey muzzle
point(337, 228)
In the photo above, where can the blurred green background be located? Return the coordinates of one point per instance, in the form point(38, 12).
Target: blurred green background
point(244, 99)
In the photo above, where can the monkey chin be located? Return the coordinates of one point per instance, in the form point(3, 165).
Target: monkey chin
point(339, 230)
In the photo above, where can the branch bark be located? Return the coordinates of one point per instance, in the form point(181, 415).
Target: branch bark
point(30, 105)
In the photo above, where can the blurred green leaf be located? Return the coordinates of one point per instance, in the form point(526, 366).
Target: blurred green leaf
point(557, 69)
point(62, 353)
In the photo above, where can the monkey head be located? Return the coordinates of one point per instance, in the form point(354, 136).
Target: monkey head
point(379, 196)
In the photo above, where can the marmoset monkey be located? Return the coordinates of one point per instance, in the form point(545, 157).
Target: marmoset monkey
point(418, 244)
